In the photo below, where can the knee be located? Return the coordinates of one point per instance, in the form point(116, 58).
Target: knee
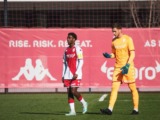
point(74, 92)
point(115, 86)
point(132, 87)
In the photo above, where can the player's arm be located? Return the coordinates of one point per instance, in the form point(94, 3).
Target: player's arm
point(79, 67)
point(80, 61)
point(113, 52)
point(131, 51)
point(131, 56)
point(64, 67)
point(111, 55)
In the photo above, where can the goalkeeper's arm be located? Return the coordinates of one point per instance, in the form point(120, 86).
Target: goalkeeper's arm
point(112, 55)
point(132, 56)
point(130, 60)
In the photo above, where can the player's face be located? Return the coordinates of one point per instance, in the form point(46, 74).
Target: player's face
point(116, 32)
point(70, 40)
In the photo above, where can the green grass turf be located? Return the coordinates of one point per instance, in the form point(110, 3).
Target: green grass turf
point(54, 106)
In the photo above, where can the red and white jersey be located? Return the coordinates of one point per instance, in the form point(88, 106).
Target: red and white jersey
point(72, 62)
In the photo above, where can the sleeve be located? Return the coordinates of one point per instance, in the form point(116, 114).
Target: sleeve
point(80, 59)
point(64, 65)
point(113, 49)
point(113, 52)
point(130, 44)
point(79, 53)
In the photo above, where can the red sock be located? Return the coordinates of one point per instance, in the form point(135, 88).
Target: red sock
point(70, 100)
point(80, 98)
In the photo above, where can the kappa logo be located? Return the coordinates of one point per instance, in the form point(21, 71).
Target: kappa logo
point(148, 73)
point(38, 72)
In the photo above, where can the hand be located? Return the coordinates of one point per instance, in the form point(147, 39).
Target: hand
point(75, 76)
point(106, 55)
point(125, 69)
point(63, 79)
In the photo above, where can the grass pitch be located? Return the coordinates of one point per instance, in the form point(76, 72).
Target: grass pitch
point(54, 106)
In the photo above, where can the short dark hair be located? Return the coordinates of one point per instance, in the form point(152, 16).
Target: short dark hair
point(73, 35)
point(116, 25)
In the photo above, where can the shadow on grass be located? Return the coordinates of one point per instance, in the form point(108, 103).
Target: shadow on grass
point(95, 113)
point(42, 113)
point(57, 113)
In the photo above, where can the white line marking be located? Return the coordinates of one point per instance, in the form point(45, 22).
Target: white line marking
point(102, 97)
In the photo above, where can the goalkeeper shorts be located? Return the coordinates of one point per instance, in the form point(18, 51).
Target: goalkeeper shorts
point(126, 78)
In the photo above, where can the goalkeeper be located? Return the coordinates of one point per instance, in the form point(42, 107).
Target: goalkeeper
point(124, 71)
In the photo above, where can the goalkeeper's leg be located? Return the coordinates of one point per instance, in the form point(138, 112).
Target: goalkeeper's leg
point(114, 94)
point(135, 95)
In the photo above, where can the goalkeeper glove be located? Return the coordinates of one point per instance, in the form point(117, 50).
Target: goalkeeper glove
point(106, 55)
point(125, 68)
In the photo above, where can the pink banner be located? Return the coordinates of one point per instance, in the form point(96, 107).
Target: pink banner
point(33, 57)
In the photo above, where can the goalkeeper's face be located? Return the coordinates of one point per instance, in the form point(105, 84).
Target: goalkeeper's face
point(116, 32)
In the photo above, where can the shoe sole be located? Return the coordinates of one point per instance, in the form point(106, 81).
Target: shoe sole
point(105, 113)
point(70, 115)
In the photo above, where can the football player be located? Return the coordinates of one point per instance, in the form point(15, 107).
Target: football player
point(72, 73)
point(124, 72)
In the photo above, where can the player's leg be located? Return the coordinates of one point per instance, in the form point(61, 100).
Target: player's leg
point(113, 98)
point(80, 98)
point(67, 83)
point(117, 78)
point(71, 102)
point(114, 94)
point(135, 97)
point(75, 84)
point(130, 79)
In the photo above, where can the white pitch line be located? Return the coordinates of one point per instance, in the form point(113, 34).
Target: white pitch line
point(102, 97)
